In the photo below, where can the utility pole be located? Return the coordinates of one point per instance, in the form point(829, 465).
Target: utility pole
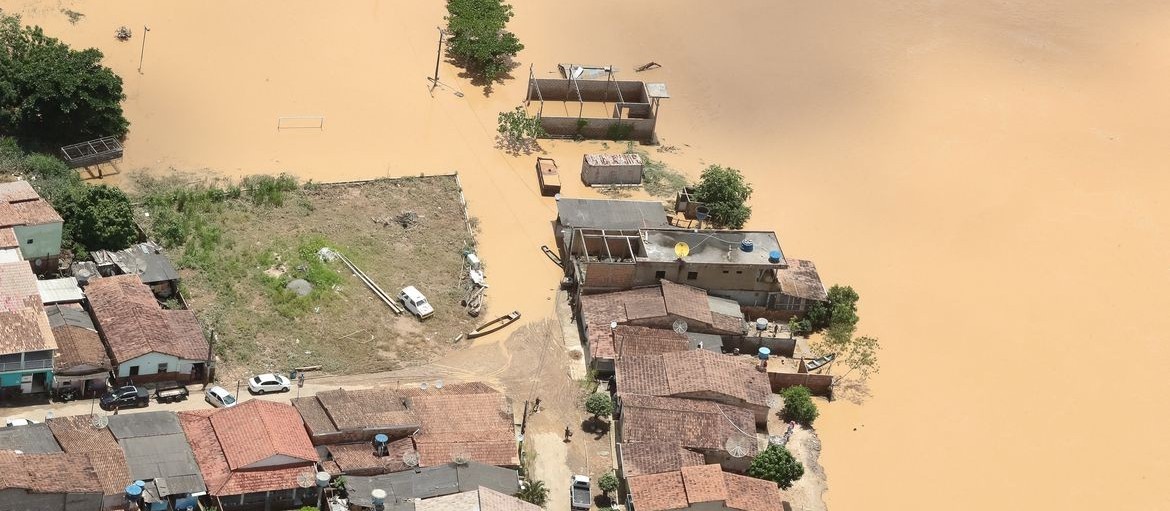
point(438, 57)
point(145, 30)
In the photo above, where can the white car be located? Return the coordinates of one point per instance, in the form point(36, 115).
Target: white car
point(415, 302)
point(18, 421)
point(219, 397)
point(264, 383)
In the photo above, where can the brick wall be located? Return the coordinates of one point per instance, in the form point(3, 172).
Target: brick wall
point(818, 384)
point(609, 275)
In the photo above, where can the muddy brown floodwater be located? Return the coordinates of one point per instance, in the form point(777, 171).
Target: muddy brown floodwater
point(990, 176)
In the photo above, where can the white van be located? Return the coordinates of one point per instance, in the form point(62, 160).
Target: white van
point(415, 302)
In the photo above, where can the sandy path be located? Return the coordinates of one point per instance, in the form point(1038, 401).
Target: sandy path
point(988, 175)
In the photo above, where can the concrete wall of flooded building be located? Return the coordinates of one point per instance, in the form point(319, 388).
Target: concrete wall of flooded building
point(818, 384)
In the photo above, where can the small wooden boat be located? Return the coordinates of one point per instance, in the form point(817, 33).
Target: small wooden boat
point(495, 324)
point(813, 365)
point(551, 255)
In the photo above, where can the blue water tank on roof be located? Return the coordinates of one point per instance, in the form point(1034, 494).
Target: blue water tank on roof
point(774, 256)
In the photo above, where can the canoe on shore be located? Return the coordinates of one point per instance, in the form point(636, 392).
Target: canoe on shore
point(495, 324)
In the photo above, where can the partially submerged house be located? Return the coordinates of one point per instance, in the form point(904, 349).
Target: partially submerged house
point(253, 455)
point(697, 374)
point(605, 214)
point(31, 224)
point(157, 453)
point(27, 344)
point(145, 260)
point(81, 361)
point(406, 490)
point(147, 343)
point(80, 435)
point(748, 267)
point(703, 488)
point(48, 482)
point(603, 169)
point(607, 108)
point(661, 307)
point(723, 434)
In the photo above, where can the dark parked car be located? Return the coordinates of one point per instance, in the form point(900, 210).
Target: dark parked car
point(125, 397)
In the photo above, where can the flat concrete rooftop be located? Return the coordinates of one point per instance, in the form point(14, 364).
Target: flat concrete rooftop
point(712, 246)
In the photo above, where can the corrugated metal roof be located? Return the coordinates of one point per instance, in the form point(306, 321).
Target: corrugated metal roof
point(146, 261)
point(145, 424)
point(61, 290)
point(10, 255)
point(610, 214)
point(433, 481)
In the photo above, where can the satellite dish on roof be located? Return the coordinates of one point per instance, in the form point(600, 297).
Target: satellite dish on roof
point(100, 421)
point(681, 249)
point(410, 458)
point(306, 479)
point(438, 384)
point(423, 385)
point(679, 326)
point(738, 446)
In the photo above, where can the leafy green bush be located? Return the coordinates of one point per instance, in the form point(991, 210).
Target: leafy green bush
point(778, 465)
point(96, 218)
point(534, 493)
point(608, 482)
point(798, 405)
point(840, 309)
point(599, 404)
point(725, 193)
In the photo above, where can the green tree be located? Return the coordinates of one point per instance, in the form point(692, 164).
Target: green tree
point(478, 39)
point(50, 94)
point(518, 131)
point(533, 493)
point(725, 193)
point(608, 483)
point(776, 464)
point(857, 354)
point(840, 309)
point(600, 405)
point(97, 218)
point(798, 405)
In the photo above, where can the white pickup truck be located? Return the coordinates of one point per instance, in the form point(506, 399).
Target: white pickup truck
point(579, 494)
point(415, 302)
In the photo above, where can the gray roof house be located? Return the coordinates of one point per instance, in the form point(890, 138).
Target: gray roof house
point(403, 487)
point(157, 452)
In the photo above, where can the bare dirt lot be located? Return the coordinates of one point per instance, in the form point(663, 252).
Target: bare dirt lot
point(240, 254)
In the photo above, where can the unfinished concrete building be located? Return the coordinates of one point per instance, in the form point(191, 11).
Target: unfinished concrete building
point(595, 106)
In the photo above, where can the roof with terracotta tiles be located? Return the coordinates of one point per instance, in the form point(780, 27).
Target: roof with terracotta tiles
point(77, 435)
point(365, 409)
point(480, 499)
point(359, 458)
point(707, 483)
point(475, 427)
point(8, 238)
point(751, 494)
point(801, 279)
point(693, 372)
point(704, 483)
point(258, 430)
point(20, 205)
point(686, 301)
point(78, 343)
point(134, 324)
point(600, 310)
point(48, 473)
point(208, 443)
point(644, 458)
point(24, 326)
point(631, 341)
point(658, 492)
point(687, 423)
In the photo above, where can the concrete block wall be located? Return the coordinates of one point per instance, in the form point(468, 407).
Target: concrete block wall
point(818, 384)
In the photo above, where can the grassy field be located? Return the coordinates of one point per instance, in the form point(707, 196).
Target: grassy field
point(238, 246)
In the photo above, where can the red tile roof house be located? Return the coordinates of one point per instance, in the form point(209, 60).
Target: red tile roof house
point(146, 343)
point(697, 374)
point(49, 482)
point(703, 488)
point(466, 421)
point(658, 307)
point(29, 223)
point(27, 344)
point(253, 455)
point(722, 434)
point(81, 362)
point(78, 436)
